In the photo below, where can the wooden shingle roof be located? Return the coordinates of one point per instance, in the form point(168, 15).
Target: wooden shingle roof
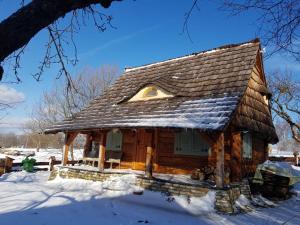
point(207, 88)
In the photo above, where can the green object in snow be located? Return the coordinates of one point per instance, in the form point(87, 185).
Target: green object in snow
point(28, 163)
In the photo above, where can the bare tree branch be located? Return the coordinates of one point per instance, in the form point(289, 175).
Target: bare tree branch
point(185, 28)
point(39, 14)
point(285, 100)
point(279, 22)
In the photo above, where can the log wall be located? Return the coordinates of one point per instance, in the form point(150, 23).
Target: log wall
point(167, 161)
point(135, 143)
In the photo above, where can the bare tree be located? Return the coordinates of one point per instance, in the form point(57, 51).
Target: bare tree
point(20, 27)
point(285, 100)
point(286, 140)
point(278, 22)
point(58, 103)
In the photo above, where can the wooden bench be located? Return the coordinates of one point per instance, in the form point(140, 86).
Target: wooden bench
point(91, 158)
point(110, 157)
point(113, 157)
point(90, 161)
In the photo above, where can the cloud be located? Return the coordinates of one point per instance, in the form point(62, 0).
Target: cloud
point(118, 40)
point(9, 95)
point(12, 122)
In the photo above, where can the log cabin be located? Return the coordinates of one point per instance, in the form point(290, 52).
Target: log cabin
point(209, 108)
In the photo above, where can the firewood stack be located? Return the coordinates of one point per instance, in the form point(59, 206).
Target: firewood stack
point(275, 186)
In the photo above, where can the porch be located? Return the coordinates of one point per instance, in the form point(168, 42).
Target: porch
point(159, 151)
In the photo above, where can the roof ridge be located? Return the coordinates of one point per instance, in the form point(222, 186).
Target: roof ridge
point(222, 47)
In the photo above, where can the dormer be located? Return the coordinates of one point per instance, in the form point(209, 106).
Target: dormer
point(150, 92)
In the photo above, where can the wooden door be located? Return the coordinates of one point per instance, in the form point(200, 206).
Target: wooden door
point(144, 139)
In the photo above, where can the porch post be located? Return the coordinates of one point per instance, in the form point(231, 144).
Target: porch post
point(220, 161)
point(69, 138)
point(149, 157)
point(102, 147)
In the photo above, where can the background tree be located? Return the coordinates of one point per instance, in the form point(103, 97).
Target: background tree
point(58, 104)
point(286, 140)
point(285, 102)
point(278, 22)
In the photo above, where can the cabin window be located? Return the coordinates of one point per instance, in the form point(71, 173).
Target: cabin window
point(189, 142)
point(114, 141)
point(247, 145)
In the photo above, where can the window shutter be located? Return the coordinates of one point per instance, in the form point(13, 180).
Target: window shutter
point(186, 141)
point(109, 140)
point(178, 148)
point(197, 145)
point(117, 141)
point(114, 141)
point(189, 142)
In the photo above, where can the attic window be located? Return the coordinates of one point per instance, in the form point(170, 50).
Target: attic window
point(150, 92)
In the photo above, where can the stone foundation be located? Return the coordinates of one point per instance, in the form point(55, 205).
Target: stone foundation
point(224, 203)
point(225, 199)
point(153, 184)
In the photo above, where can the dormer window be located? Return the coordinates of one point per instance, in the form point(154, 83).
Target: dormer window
point(150, 92)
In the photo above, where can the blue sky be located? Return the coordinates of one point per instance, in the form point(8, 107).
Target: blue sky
point(146, 31)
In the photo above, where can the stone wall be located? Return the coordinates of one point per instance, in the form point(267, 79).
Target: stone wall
point(225, 199)
point(154, 184)
point(224, 202)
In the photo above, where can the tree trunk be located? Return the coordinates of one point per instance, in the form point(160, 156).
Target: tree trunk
point(18, 29)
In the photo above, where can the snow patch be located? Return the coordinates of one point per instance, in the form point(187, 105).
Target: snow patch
point(198, 205)
point(121, 183)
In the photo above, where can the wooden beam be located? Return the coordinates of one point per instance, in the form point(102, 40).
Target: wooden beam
point(69, 138)
point(236, 157)
point(149, 155)
point(155, 155)
point(102, 146)
point(149, 166)
point(220, 161)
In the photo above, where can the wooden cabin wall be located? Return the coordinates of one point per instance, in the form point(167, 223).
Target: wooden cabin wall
point(234, 161)
point(166, 161)
point(128, 148)
point(259, 155)
point(233, 154)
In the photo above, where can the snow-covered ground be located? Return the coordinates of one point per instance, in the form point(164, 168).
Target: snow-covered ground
point(43, 155)
point(28, 198)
